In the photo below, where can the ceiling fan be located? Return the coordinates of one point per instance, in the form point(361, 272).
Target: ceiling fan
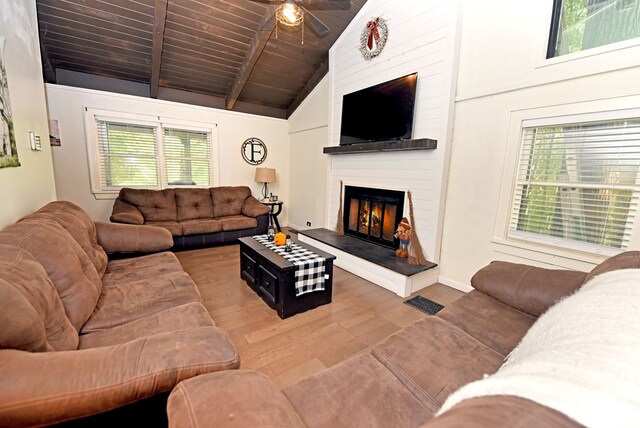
point(294, 13)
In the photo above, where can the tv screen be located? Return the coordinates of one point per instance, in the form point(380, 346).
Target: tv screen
point(380, 112)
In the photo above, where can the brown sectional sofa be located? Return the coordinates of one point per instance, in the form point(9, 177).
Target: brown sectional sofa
point(404, 380)
point(85, 336)
point(194, 216)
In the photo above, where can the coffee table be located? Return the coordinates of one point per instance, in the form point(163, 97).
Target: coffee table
point(272, 277)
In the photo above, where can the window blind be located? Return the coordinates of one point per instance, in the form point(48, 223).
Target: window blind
point(578, 183)
point(187, 155)
point(127, 154)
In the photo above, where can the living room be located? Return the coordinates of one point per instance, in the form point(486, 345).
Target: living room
point(483, 76)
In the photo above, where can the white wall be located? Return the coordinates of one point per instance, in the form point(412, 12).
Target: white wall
point(66, 104)
point(308, 133)
point(503, 74)
point(26, 188)
point(422, 38)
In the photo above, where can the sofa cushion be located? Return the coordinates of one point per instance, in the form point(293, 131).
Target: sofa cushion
point(626, 260)
point(140, 287)
point(79, 225)
point(357, 392)
point(183, 317)
point(66, 263)
point(124, 212)
point(527, 288)
point(254, 208)
point(172, 226)
point(155, 205)
point(31, 313)
point(193, 204)
point(433, 359)
point(192, 227)
point(486, 319)
point(237, 222)
point(242, 399)
point(228, 200)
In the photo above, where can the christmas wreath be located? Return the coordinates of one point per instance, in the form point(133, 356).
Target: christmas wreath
point(373, 37)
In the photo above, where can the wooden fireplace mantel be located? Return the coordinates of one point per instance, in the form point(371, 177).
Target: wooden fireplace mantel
point(383, 146)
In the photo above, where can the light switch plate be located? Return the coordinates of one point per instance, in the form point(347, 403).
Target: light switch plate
point(34, 141)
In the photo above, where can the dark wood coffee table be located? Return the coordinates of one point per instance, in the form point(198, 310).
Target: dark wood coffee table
point(272, 277)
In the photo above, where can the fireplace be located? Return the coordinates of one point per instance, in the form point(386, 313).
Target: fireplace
point(373, 214)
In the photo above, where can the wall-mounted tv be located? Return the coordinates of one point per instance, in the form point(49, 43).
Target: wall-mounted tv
point(380, 112)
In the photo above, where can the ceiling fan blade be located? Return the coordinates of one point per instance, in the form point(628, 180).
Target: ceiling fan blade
point(327, 4)
point(317, 27)
point(268, 1)
point(269, 23)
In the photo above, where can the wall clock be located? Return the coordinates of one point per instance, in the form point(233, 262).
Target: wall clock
point(254, 151)
point(373, 38)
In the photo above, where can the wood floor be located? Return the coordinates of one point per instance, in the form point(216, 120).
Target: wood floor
point(361, 314)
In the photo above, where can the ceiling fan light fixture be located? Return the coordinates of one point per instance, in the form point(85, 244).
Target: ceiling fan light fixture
point(289, 14)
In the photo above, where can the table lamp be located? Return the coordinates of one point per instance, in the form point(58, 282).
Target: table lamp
point(265, 175)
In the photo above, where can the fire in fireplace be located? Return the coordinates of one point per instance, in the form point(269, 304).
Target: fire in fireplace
point(373, 214)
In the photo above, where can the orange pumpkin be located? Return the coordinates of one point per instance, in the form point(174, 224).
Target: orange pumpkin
point(280, 239)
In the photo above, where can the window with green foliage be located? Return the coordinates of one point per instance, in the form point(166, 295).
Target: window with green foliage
point(126, 152)
point(578, 183)
point(578, 25)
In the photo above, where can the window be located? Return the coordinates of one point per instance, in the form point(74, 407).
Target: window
point(137, 151)
point(577, 184)
point(583, 24)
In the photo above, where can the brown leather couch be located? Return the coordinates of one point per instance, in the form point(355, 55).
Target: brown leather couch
point(404, 380)
point(195, 217)
point(85, 336)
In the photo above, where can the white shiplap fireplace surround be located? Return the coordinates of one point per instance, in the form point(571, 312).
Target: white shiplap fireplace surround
point(423, 38)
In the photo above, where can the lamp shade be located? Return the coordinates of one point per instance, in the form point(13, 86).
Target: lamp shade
point(265, 175)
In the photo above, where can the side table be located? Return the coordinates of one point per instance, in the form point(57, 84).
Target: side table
point(273, 215)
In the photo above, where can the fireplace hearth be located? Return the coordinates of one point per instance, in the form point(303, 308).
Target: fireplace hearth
point(373, 214)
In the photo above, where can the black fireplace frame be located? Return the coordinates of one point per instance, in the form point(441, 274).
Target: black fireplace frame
point(384, 196)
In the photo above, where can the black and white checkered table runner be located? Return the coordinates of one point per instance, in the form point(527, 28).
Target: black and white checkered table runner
point(310, 272)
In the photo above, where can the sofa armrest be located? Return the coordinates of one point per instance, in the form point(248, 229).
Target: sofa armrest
point(43, 388)
point(123, 212)
point(130, 238)
point(242, 398)
point(254, 208)
point(527, 288)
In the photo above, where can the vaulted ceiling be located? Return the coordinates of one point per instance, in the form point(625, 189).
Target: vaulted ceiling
point(222, 53)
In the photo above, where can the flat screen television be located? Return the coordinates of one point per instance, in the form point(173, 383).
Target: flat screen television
point(380, 112)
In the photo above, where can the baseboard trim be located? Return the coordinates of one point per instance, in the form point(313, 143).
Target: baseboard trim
point(454, 284)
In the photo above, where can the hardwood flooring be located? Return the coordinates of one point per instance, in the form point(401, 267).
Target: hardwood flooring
point(361, 314)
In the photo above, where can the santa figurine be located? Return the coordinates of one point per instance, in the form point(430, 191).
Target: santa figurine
point(403, 233)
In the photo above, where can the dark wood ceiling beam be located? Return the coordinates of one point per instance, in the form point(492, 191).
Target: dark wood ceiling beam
point(47, 65)
point(159, 22)
point(253, 53)
point(322, 70)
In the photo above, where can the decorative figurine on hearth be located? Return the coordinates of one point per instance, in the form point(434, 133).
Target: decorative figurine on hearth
point(403, 233)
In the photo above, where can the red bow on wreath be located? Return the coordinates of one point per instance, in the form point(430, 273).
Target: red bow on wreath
point(372, 26)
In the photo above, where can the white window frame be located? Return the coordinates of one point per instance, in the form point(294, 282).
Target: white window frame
point(93, 156)
point(625, 59)
point(548, 249)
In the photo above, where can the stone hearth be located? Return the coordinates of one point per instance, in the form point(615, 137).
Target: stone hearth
point(372, 262)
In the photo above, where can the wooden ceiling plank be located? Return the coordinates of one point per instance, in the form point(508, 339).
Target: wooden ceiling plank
point(98, 50)
point(57, 52)
point(93, 11)
point(53, 33)
point(92, 28)
point(159, 21)
point(190, 62)
point(322, 70)
point(101, 71)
